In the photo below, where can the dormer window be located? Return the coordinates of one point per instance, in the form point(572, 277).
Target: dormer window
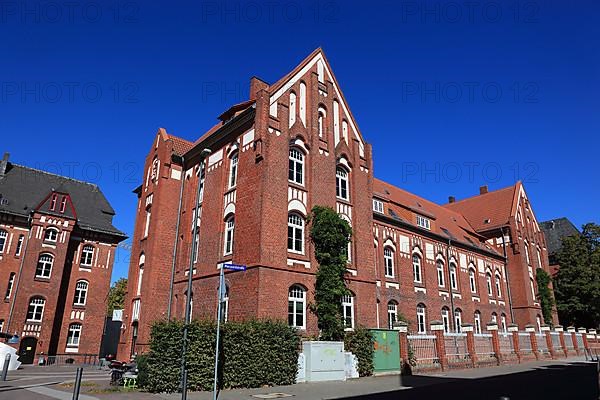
point(423, 222)
point(51, 235)
point(53, 202)
point(63, 204)
point(378, 206)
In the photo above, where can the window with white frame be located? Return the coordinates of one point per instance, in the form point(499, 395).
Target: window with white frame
point(446, 319)
point(147, 223)
point(81, 289)
point(1, 325)
point(229, 231)
point(378, 206)
point(53, 202)
point(392, 309)
point(388, 260)
point(539, 257)
point(292, 109)
point(472, 280)
point(44, 266)
point(3, 236)
point(423, 222)
point(458, 320)
point(74, 335)
point(196, 246)
point(477, 318)
point(9, 287)
point(35, 312)
point(135, 312)
point(201, 180)
point(503, 323)
point(297, 307)
point(488, 281)
point(532, 289)
point(51, 235)
point(421, 319)
point(321, 122)
point(453, 277)
point(87, 255)
point(140, 274)
point(296, 166)
point(19, 245)
point(440, 273)
point(417, 268)
point(341, 183)
point(498, 285)
point(295, 233)
point(526, 247)
point(348, 311)
point(538, 321)
point(63, 204)
point(494, 318)
point(233, 167)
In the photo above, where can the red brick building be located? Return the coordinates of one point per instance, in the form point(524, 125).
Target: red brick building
point(57, 247)
point(293, 145)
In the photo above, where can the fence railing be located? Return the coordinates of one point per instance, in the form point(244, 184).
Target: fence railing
point(556, 345)
point(542, 345)
point(579, 338)
point(457, 351)
point(424, 350)
point(65, 359)
point(525, 342)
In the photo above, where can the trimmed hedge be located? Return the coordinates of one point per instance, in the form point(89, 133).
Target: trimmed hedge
point(362, 344)
point(253, 354)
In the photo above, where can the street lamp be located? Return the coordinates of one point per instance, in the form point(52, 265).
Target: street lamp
point(188, 312)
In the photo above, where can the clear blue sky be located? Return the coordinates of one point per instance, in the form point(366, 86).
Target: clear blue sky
point(452, 95)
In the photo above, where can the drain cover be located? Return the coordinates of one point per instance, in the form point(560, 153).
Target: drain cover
point(272, 395)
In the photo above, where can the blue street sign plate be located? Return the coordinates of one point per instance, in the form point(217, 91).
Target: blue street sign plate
point(236, 267)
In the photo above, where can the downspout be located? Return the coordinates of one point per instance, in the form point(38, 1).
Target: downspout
point(171, 283)
point(16, 291)
point(510, 305)
point(452, 318)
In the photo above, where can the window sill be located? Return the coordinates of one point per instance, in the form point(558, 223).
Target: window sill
point(41, 279)
point(299, 186)
point(342, 200)
point(79, 306)
point(31, 321)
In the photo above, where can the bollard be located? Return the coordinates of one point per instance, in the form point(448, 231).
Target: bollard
point(77, 385)
point(5, 366)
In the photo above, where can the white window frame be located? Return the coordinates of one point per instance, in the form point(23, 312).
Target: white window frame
point(472, 280)
point(388, 261)
point(348, 311)
point(503, 323)
point(421, 319)
point(87, 255)
point(526, 247)
point(296, 166)
point(378, 206)
point(51, 235)
point(225, 305)
point(494, 319)
point(477, 320)
point(296, 229)
point(458, 320)
point(453, 277)
point(321, 121)
point(499, 285)
point(147, 223)
point(3, 240)
point(63, 204)
point(81, 291)
point(19, 248)
point(488, 281)
point(297, 295)
point(38, 305)
point(10, 286)
point(392, 308)
point(342, 183)
point(201, 181)
point(74, 335)
point(135, 310)
point(440, 273)
point(423, 222)
point(46, 262)
point(229, 236)
point(233, 170)
point(417, 268)
point(532, 287)
point(446, 319)
point(539, 257)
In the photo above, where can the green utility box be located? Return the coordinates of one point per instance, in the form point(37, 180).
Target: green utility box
point(386, 357)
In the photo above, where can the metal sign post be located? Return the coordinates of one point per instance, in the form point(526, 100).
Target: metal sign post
point(220, 298)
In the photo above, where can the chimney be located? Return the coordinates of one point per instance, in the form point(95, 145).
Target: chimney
point(451, 199)
point(3, 164)
point(483, 189)
point(256, 85)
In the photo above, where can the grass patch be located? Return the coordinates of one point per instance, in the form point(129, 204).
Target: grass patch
point(83, 384)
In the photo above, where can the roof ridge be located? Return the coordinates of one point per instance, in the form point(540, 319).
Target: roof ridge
point(55, 175)
point(477, 196)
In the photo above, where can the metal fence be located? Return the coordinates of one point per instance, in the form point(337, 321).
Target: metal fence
point(76, 359)
point(555, 336)
point(569, 341)
point(457, 351)
point(525, 342)
point(542, 345)
point(484, 348)
point(424, 350)
point(579, 337)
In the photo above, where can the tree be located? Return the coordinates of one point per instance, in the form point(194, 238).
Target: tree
point(330, 235)
point(577, 282)
point(116, 296)
point(544, 294)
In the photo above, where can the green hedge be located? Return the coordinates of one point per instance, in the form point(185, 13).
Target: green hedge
point(362, 344)
point(253, 354)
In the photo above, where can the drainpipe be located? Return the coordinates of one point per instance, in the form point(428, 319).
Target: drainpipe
point(16, 291)
point(510, 305)
point(176, 239)
point(452, 319)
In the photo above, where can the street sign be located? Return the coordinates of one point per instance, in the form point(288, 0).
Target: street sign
point(235, 267)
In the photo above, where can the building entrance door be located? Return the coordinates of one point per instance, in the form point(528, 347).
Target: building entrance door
point(27, 350)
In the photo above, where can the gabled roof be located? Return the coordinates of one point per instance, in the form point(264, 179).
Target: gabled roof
point(489, 210)
point(23, 189)
point(555, 231)
point(447, 223)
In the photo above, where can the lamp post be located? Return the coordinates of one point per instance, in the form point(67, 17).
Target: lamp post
point(188, 312)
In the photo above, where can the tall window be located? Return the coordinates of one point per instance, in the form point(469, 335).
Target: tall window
point(503, 323)
point(421, 319)
point(135, 312)
point(35, 312)
point(296, 166)
point(229, 230)
point(74, 335)
point(81, 289)
point(458, 320)
point(388, 259)
point(477, 322)
point(440, 273)
point(87, 255)
point(292, 109)
point(147, 224)
point(417, 268)
point(446, 319)
point(348, 311)
point(538, 321)
point(201, 179)
point(44, 266)
point(140, 274)
point(453, 277)
point(321, 122)
point(498, 285)
point(51, 235)
point(532, 288)
point(233, 164)
point(63, 204)
point(341, 183)
point(488, 281)
point(3, 236)
point(539, 257)
point(9, 288)
point(392, 308)
point(378, 206)
point(494, 318)
point(472, 281)
point(526, 247)
point(19, 245)
point(1, 325)
point(295, 233)
point(297, 307)
point(53, 202)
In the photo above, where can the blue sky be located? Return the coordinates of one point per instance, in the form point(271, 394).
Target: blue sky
point(452, 95)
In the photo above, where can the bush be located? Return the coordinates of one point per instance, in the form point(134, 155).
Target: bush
point(253, 354)
point(361, 343)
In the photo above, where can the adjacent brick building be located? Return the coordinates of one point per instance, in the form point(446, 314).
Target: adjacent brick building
point(57, 247)
point(293, 145)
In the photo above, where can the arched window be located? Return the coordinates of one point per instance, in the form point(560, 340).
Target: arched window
point(477, 319)
point(44, 266)
point(342, 189)
point(35, 312)
point(296, 166)
point(503, 323)
point(229, 231)
point(453, 277)
point(440, 273)
point(9, 288)
point(388, 259)
point(19, 245)
point(81, 289)
point(488, 281)
point(74, 335)
point(140, 274)
point(51, 235)
point(472, 280)
point(87, 255)
point(348, 311)
point(526, 247)
point(3, 236)
point(233, 164)
point(494, 318)
point(295, 233)
point(392, 309)
point(297, 307)
point(292, 108)
point(446, 319)
point(417, 268)
point(421, 318)
point(498, 285)
point(321, 121)
point(458, 320)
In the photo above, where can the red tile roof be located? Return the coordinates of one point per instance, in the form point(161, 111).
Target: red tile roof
point(180, 146)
